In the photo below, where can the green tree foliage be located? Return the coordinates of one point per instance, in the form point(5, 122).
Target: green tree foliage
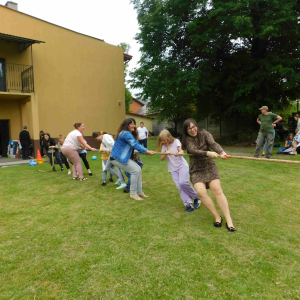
point(227, 57)
point(128, 97)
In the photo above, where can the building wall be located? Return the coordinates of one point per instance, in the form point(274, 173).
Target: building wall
point(77, 78)
point(138, 119)
point(135, 106)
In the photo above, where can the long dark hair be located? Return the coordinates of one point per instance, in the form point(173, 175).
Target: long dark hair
point(124, 127)
point(45, 141)
point(185, 133)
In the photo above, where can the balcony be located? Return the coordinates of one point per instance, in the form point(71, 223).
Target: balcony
point(16, 78)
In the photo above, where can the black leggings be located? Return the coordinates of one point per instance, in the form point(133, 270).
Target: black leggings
point(64, 160)
point(56, 155)
point(83, 157)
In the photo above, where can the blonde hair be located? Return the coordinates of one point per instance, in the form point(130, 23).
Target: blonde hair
point(164, 134)
point(60, 137)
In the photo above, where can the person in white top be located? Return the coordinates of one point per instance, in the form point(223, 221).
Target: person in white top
point(143, 134)
point(108, 142)
point(72, 142)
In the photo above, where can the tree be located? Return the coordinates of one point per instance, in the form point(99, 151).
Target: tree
point(235, 55)
point(128, 97)
point(166, 83)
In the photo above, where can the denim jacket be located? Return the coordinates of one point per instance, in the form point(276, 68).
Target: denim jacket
point(123, 147)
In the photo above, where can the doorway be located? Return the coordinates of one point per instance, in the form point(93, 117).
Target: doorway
point(4, 137)
point(2, 76)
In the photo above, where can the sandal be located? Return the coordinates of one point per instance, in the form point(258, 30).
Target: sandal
point(75, 178)
point(84, 178)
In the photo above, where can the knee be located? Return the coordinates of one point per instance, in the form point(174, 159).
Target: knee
point(217, 191)
point(183, 183)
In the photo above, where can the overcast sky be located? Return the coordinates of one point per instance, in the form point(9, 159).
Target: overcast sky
point(113, 21)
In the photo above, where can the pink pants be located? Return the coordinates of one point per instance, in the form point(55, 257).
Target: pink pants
point(74, 157)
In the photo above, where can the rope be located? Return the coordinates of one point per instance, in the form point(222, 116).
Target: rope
point(245, 157)
point(268, 160)
point(51, 167)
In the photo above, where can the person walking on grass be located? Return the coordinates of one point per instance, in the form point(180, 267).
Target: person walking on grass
point(72, 142)
point(51, 147)
point(178, 168)
point(143, 134)
point(267, 121)
point(203, 170)
point(122, 151)
point(107, 143)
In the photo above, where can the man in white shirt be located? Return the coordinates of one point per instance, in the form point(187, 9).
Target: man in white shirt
point(143, 134)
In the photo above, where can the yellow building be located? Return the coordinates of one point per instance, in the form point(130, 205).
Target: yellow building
point(52, 77)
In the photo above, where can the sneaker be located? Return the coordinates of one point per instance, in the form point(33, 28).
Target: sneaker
point(127, 189)
point(62, 169)
point(122, 186)
point(189, 209)
point(197, 203)
point(111, 180)
point(103, 183)
point(135, 197)
point(91, 174)
point(69, 172)
point(118, 182)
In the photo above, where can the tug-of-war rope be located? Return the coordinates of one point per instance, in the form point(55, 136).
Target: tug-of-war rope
point(243, 157)
point(228, 156)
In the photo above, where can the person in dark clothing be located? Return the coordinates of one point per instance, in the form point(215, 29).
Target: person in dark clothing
point(42, 142)
point(50, 146)
point(25, 141)
point(64, 160)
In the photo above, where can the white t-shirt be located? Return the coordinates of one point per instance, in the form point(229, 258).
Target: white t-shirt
point(142, 132)
point(72, 141)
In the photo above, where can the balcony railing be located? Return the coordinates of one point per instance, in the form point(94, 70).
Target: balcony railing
point(19, 78)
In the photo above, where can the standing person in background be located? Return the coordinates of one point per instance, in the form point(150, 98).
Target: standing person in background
point(82, 153)
point(42, 142)
point(266, 143)
point(64, 160)
point(72, 142)
point(25, 141)
point(51, 147)
point(267, 123)
point(143, 134)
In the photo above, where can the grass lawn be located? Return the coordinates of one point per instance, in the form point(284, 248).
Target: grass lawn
point(64, 239)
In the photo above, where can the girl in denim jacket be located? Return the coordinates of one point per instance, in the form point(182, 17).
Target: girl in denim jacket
point(126, 142)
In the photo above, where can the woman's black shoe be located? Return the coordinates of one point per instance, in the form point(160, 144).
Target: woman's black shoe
point(231, 229)
point(218, 224)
